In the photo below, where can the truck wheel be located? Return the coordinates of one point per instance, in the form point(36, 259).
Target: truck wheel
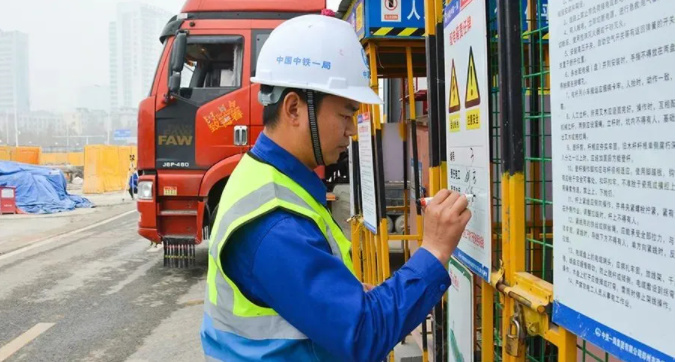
point(399, 225)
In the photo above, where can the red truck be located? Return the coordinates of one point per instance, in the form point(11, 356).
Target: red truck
point(202, 115)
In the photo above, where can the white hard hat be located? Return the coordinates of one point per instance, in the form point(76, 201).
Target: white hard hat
point(319, 53)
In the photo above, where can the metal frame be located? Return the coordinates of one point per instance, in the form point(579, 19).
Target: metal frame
point(370, 250)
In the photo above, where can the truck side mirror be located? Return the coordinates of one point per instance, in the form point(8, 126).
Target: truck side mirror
point(175, 83)
point(176, 62)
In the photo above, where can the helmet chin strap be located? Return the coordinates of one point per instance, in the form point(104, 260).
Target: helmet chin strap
point(314, 128)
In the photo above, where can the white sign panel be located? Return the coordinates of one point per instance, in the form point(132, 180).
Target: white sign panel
point(460, 313)
point(612, 91)
point(390, 10)
point(468, 127)
point(7, 193)
point(368, 185)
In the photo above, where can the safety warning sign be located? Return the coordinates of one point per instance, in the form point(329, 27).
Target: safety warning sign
point(454, 100)
point(467, 138)
point(390, 10)
point(472, 94)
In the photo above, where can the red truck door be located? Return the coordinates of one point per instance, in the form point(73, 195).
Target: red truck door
point(209, 119)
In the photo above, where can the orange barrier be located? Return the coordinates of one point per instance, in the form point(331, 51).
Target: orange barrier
point(30, 155)
point(106, 168)
point(5, 153)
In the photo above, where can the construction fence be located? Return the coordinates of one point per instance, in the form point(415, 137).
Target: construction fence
point(106, 168)
point(30, 155)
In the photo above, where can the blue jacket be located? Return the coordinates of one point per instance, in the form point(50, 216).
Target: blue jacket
point(283, 261)
point(133, 180)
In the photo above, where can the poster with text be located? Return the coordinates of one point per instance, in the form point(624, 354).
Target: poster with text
point(612, 96)
point(368, 185)
point(468, 125)
point(460, 313)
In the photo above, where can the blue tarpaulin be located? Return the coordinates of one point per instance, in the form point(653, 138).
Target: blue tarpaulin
point(39, 190)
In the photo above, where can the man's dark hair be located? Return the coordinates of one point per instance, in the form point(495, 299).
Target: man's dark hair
point(271, 112)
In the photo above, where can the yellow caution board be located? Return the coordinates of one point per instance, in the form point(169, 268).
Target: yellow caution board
point(454, 122)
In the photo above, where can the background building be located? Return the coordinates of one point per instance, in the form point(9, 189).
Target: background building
point(14, 89)
point(134, 49)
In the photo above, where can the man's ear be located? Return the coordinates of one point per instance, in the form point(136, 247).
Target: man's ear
point(292, 108)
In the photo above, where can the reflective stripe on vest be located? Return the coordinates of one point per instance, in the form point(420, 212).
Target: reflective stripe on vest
point(244, 199)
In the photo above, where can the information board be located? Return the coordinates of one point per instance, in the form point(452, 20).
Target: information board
point(460, 313)
point(468, 127)
point(368, 185)
point(612, 91)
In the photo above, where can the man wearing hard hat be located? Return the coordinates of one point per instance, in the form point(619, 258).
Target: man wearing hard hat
point(280, 285)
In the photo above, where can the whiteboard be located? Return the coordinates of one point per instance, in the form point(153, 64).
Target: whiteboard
point(468, 126)
point(612, 92)
point(368, 185)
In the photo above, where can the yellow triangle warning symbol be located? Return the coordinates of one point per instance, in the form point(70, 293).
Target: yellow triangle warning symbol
point(454, 98)
point(472, 96)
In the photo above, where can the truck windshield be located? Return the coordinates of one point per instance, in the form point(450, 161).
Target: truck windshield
point(213, 67)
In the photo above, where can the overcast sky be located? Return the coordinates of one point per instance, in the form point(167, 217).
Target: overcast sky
point(68, 44)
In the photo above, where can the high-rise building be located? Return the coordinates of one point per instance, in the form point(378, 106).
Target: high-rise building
point(14, 83)
point(134, 50)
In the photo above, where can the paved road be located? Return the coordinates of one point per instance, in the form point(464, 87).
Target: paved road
point(101, 294)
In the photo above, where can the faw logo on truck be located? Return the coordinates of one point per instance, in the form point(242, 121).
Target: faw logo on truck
point(175, 135)
point(173, 140)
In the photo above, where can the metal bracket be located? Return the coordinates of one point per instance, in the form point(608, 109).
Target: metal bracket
point(532, 292)
point(539, 292)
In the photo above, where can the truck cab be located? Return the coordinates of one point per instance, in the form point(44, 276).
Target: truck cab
point(202, 115)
